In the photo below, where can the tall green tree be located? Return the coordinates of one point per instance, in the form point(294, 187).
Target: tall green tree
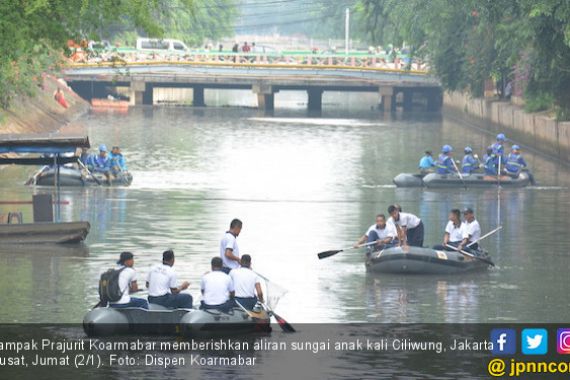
point(34, 33)
point(469, 41)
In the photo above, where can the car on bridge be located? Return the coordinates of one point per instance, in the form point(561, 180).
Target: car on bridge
point(161, 45)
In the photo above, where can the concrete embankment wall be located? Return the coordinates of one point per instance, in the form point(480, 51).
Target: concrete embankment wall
point(41, 113)
point(536, 130)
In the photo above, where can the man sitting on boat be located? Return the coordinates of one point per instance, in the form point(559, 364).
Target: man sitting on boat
point(454, 231)
point(410, 228)
point(498, 147)
point(490, 162)
point(444, 162)
point(471, 232)
point(217, 288)
point(247, 284)
point(118, 161)
point(128, 283)
point(515, 162)
point(470, 162)
point(163, 286)
point(383, 233)
point(426, 163)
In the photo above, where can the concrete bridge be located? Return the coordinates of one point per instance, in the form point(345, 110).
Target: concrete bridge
point(94, 80)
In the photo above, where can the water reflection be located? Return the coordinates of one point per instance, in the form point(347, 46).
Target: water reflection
point(301, 187)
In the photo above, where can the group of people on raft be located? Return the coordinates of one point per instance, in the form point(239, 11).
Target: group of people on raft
point(406, 229)
point(230, 281)
point(108, 163)
point(494, 162)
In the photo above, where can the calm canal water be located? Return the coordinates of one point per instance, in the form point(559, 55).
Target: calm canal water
point(301, 185)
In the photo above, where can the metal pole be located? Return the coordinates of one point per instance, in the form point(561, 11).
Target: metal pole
point(346, 30)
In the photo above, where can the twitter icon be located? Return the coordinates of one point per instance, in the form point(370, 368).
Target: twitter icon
point(534, 341)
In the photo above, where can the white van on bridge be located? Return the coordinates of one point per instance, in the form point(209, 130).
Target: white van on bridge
point(157, 44)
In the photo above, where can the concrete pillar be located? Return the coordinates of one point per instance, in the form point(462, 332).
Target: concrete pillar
point(140, 93)
point(265, 96)
point(147, 98)
point(198, 96)
point(387, 95)
point(315, 102)
point(266, 101)
point(434, 99)
point(408, 100)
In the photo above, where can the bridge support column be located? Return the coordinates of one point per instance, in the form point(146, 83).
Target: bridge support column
point(265, 97)
point(315, 102)
point(434, 99)
point(408, 100)
point(387, 96)
point(141, 93)
point(198, 96)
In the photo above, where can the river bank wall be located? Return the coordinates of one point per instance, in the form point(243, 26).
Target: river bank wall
point(536, 130)
point(41, 113)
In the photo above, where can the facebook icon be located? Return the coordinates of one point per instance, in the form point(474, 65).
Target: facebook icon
point(504, 341)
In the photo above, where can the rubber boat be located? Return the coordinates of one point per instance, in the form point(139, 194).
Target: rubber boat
point(75, 177)
point(418, 260)
point(107, 321)
point(206, 323)
point(434, 180)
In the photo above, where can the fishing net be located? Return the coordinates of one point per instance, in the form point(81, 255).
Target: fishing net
point(273, 292)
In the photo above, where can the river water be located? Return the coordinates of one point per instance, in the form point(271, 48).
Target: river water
point(301, 185)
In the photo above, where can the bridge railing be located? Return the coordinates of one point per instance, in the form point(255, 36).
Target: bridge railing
point(289, 59)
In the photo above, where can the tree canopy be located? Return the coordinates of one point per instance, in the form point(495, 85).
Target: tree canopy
point(469, 41)
point(34, 33)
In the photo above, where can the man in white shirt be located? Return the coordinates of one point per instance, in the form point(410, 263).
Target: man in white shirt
point(453, 231)
point(472, 231)
point(229, 250)
point(128, 283)
point(410, 228)
point(247, 284)
point(383, 233)
point(217, 288)
point(163, 286)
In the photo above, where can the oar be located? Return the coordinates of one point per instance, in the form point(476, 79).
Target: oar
point(484, 236)
point(487, 261)
point(33, 180)
point(285, 326)
point(325, 254)
point(458, 172)
point(89, 172)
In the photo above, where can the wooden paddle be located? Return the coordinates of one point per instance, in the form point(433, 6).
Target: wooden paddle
point(487, 261)
point(285, 326)
point(333, 252)
point(89, 172)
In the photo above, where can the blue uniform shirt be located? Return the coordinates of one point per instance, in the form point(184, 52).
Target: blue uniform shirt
point(498, 150)
point(490, 162)
point(426, 162)
point(444, 164)
point(514, 163)
point(101, 164)
point(118, 160)
point(469, 164)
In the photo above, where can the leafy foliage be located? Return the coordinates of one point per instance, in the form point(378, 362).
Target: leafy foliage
point(34, 33)
point(470, 41)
